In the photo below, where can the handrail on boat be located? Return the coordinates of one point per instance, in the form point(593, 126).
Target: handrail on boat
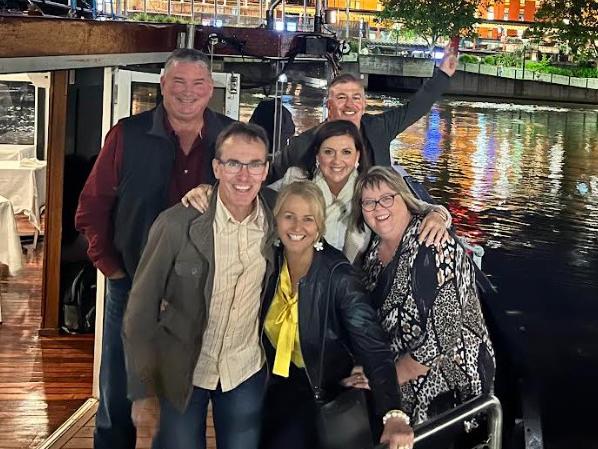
point(484, 403)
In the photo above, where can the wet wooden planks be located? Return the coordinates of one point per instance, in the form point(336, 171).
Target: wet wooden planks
point(43, 380)
point(83, 438)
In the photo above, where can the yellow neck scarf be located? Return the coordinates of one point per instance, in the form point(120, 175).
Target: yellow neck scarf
point(282, 325)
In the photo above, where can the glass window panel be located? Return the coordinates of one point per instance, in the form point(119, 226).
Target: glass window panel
point(17, 113)
point(144, 96)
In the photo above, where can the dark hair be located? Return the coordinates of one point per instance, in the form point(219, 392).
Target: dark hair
point(344, 78)
point(329, 129)
point(249, 131)
point(187, 55)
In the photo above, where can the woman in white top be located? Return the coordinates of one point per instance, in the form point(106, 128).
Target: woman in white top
point(333, 163)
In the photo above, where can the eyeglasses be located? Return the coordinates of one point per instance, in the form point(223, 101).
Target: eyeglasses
point(233, 166)
point(385, 201)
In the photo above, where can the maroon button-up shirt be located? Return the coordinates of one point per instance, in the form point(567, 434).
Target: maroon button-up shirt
point(98, 197)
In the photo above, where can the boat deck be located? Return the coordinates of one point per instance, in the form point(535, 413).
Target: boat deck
point(80, 435)
point(44, 380)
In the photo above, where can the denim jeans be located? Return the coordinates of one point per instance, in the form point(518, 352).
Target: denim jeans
point(237, 417)
point(114, 427)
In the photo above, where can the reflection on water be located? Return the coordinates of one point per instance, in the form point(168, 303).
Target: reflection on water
point(17, 113)
point(516, 177)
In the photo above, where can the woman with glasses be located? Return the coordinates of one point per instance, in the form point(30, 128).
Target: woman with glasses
point(333, 163)
point(426, 300)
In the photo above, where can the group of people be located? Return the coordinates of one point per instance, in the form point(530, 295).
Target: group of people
point(227, 292)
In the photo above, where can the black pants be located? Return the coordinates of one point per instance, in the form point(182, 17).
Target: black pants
point(289, 413)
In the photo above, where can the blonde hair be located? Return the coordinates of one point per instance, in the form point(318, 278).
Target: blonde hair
point(374, 177)
point(310, 193)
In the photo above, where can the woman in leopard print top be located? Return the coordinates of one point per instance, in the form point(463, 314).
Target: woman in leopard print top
point(426, 299)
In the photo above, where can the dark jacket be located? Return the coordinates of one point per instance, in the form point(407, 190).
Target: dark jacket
point(378, 130)
point(353, 334)
point(147, 163)
point(169, 302)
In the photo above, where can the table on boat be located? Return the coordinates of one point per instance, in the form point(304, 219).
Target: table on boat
point(10, 244)
point(24, 184)
point(16, 152)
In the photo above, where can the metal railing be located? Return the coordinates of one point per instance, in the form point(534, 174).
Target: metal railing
point(528, 75)
point(485, 403)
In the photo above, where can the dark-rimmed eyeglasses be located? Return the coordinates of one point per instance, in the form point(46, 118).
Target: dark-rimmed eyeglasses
point(385, 201)
point(233, 166)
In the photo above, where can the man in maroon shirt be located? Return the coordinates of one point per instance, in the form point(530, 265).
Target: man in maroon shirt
point(148, 162)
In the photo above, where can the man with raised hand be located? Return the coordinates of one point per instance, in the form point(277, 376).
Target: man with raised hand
point(346, 100)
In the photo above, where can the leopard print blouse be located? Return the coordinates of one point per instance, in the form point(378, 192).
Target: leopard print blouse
point(428, 305)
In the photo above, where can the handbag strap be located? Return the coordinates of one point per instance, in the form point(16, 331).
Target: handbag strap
point(318, 387)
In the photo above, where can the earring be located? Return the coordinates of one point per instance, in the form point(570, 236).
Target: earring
point(277, 243)
point(317, 164)
point(318, 245)
point(356, 165)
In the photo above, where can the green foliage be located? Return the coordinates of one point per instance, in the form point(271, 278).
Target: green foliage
point(469, 59)
point(542, 66)
point(490, 60)
point(157, 18)
point(574, 22)
point(584, 57)
point(433, 19)
point(580, 72)
point(402, 35)
point(504, 59)
point(509, 59)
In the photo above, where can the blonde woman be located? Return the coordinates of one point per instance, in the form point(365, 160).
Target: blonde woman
point(315, 280)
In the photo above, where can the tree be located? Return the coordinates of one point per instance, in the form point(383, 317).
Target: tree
point(433, 19)
point(575, 22)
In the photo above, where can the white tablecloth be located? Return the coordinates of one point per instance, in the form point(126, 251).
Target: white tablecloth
point(10, 245)
point(25, 187)
point(16, 152)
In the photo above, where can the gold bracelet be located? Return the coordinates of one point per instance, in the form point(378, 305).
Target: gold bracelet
point(396, 414)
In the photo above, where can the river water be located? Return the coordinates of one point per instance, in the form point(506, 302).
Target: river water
point(522, 181)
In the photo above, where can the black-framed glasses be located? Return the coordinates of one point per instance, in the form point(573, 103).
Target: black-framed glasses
point(385, 201)
point(233, 166)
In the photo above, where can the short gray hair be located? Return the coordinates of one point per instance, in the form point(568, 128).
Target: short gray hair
point(187, 55)
point(344, 78)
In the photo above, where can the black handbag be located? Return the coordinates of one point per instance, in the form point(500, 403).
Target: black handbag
point(342, 423)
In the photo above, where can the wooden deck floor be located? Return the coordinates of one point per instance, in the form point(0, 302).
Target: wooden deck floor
point(43, 380)
point(82, 438)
